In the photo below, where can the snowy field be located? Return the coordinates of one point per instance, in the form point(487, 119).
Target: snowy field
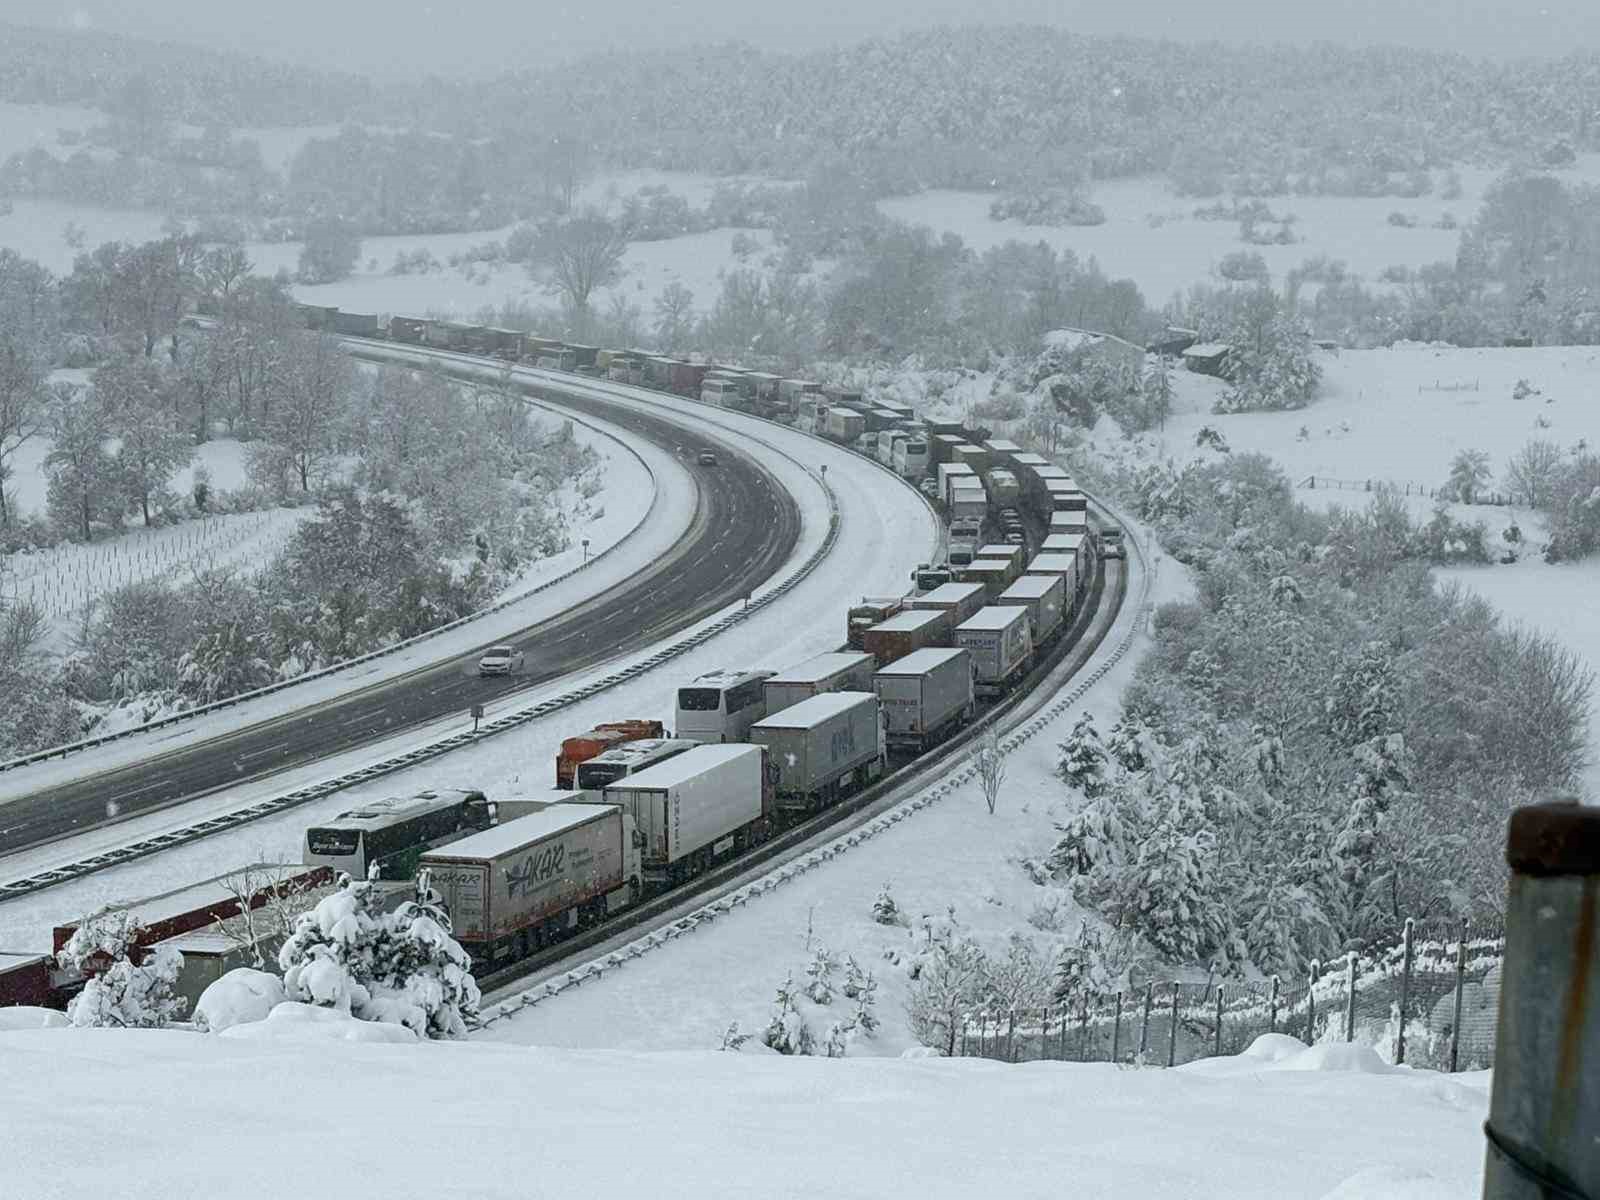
point(885, 531)
point(1400, 415)
point(1151, 236)
point(165, 1113)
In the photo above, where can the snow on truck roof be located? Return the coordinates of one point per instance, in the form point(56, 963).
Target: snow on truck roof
point(949, 593)
point(1030, 587)
point(1057, 563)
point(821, 667)
point(914, 618)
point(993, 618)
point(519, 832)
point(919, 662)
point(813, 710)
point(681, 767)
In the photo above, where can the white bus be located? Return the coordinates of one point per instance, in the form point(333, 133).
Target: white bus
point(621, 761)
point(394, 832)
point(721, 706)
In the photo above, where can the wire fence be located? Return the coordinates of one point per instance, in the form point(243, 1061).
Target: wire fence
point(1403, 487)
point(1429, 999)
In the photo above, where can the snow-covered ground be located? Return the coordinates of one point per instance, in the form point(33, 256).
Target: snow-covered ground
point(1400, 415)
point(175, 1113)
point(1151, 235)
point(885, 531)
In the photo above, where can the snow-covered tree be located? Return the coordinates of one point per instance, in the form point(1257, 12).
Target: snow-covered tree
point(949, 984)
point(884, 909)
point(117, 992)
point(989, 759)
point(787, 1031)
point(1083, 758)
point(1469, 475)
point(1079, 969)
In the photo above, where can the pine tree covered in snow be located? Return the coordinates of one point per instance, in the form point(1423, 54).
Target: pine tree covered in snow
point(121, 994)
point(1079, 969)
point(787, 1031)
point(884, 909)
point(1083, 758)
point(1369, 857)
point(401, 967)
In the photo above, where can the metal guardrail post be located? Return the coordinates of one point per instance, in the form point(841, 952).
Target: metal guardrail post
point(1083, 1032)
point(1011, 1036)
point(1461, 983)
point(1216, 1041)
point(1405, 994)
point(1172, 1033)
point(1044, 1035)
point(1311, 1004)
point(1350, 1000)
point(1144, 1026)
point(1543, 1131)
point(1116, 1032)
point(1272, 1008)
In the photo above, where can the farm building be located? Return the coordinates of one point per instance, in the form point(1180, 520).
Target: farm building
point(1208, 358)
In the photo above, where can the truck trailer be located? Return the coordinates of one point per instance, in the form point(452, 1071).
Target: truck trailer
point(1047, 600)
point(959, 600)
point(968, 500)
point(925, 695)
point(907, 632)
point(990, 574)
point(822, 748)
point(1001, 644)
point(695, 808)
point(838, 671)
point(845, 425)
point(518, 886)
point(871, 611)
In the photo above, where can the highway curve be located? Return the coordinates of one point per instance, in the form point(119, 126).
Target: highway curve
point(745, 529)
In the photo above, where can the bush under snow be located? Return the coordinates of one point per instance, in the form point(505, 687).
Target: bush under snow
point(239, 997)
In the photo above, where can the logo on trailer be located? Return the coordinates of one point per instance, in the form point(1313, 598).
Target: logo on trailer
point(537, 868)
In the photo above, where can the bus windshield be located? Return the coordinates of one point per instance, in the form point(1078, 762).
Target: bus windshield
point(595, 775)
point(699, 699)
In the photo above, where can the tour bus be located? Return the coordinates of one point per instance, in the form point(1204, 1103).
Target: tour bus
point(394, 832)
point(721, 706)
point(724, 393)
point(594, 774)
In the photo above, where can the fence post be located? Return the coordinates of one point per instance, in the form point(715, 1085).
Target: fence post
point(1061, 1038)
point(1216, 1041)
point(1272, 1008)
point(1044, 1036)
point(963, 1037)
point(1405, 994)
point(1011, 1035)
point(1083, 1031)
point(1544, 1106)
point(1350, 1000)
point(1461, 980)
point(1116, 1033)
point(1172, 1034)
point(1144, 1027)
point(1311, 1004)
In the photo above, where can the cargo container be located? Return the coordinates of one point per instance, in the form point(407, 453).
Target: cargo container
point(598, 740)
point(518, 886)
point(1066, 496)
point(968, 501)
point(596, 774)
point(687, 378)
point(25, 979)
point(1013, 556)
point(406, 329)
point(583, 355)
point(845, 424)
point(834, 672)
point(1003, 488)
point(503, 808)
point(1069, 522)
point(975, 457)
point(923, 696)
point(1048, 601)
point(696, 808)
point(721, 392)
point(1002, 451)
point(947, 473)
point(822, 748)
point(1064, 565)
point(942, 446)
point(871, 611)
point(1075, 544)
point(906, 633)
point(1029, 461)
point(960, 600)
point(791, 390)
point(990, 574)
point(1049, 471)
point(351, 324)
point(1000, 640)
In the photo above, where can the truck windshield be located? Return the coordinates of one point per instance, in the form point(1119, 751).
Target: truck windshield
point(699, 699)
point(594, 776)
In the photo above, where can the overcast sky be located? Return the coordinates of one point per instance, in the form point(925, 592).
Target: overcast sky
point(402, 37)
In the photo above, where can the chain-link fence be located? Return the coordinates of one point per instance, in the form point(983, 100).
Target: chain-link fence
point(1430, 999)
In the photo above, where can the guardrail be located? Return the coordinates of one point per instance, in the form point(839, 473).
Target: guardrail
point(512, 720)
point(190, 714)
point(772, 880)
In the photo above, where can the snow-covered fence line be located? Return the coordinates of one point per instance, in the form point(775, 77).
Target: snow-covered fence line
point(1429, 998)
point(346, 664)
point(1402, 487)
point(506, 721)
point(778, 876)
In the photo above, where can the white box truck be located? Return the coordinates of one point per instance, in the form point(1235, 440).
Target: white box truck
point(924, 696)
point(1001, 644)
point(1047, 600)
point(839, 671)
point(822, 748)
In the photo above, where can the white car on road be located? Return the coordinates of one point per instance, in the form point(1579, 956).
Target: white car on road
point(500, 660)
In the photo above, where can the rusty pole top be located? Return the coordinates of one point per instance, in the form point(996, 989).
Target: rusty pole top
point(1558, 838)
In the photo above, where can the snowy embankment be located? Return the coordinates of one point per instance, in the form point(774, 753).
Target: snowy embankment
point(885, 530)
point(169, 1115)
point(1399, 416)
point(646, 505)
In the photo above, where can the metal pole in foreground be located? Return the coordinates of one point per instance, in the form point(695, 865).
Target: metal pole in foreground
point(1543, 1130)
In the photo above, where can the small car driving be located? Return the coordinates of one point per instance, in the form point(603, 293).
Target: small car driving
point(500, 660)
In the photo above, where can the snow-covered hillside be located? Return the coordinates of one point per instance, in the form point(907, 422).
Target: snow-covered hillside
point(303, 1113)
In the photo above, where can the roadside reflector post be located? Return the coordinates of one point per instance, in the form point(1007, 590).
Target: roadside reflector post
point(1543, 1131)
point(477, 715)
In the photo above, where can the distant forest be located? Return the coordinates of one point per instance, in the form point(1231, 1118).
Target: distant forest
point(1013, 109)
